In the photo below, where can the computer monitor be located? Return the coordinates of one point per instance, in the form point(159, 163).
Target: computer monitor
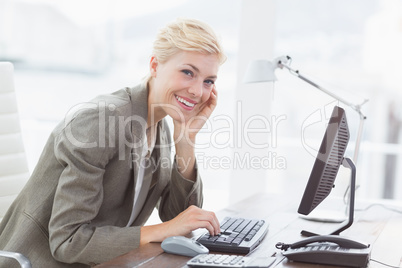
point(325, 169)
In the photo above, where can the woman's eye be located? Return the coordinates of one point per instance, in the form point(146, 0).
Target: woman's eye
point(188, 72)
point(209, 82)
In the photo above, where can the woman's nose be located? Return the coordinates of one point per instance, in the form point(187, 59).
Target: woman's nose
point(196, 89)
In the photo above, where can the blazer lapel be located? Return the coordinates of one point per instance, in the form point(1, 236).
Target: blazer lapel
point(138, 120)
point(160, 172)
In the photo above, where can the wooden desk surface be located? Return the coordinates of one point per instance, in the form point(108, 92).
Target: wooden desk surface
point(377, 226)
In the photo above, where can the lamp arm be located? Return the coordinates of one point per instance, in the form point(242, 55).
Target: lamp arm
point(355, 107)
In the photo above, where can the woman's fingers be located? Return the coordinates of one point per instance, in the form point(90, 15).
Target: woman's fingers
point(211, 222)
point(193, 218)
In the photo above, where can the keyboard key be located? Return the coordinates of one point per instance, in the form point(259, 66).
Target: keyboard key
point(248, 238)
point(236, 242)
point(241, 226)
point(250, 226)
point(222, 241)
point(207, 239)
point(228, 223)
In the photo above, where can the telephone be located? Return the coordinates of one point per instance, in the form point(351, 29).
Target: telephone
point(328, 249)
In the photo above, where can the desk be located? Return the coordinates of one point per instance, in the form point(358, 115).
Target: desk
point(379, 227)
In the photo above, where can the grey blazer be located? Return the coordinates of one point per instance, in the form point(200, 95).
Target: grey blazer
point(75, 207)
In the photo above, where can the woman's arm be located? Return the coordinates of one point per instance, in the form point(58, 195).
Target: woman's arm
point(73, 237)
point(186, 182)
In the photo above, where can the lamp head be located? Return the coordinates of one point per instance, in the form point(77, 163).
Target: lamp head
point(264, 70)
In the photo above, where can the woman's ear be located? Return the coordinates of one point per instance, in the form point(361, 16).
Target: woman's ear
point(153, 65)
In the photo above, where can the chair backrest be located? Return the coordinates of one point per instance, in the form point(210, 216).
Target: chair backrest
point(13, 163)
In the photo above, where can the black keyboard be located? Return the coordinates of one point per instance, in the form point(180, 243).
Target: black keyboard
point(237, 235)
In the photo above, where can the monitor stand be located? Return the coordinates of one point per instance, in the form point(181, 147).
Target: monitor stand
point(348, 163)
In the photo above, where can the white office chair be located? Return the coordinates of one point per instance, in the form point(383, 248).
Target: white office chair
point(14, 171)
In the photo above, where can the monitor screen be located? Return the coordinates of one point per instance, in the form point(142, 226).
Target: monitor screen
point(327, 162)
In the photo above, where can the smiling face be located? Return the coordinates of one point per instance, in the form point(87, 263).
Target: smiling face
point(181, 86)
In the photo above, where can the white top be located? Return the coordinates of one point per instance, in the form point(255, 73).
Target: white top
point(142, 182)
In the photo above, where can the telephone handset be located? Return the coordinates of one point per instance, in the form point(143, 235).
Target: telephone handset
point(328, 249)
point(341, 241)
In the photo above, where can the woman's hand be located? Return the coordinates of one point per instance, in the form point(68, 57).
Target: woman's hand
point(189, 220)
point(205, 111)
point(193, 218)
point(184, 136)
point(189, 128)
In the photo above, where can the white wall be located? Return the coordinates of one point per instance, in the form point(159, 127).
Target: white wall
point(252, 108)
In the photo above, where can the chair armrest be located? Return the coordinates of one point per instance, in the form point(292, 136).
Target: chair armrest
point(22, 260)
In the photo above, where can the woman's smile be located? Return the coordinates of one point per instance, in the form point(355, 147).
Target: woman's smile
point(186, 103)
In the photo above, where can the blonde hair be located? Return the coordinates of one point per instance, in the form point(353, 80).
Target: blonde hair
point(186, 35)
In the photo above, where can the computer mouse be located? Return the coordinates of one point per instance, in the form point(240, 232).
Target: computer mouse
point(181, 245)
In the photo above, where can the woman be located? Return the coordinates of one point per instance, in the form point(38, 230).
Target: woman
point(108, 165)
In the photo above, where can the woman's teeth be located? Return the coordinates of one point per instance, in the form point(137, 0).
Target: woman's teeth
point(189, 104)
